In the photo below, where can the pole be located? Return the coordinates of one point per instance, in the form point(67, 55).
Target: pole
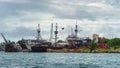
point(76, 30)
point(56, 32)
point(51, 34)
point(38, 31)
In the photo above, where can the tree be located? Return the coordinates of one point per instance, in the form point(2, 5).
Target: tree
point(60, 41)
point(92, 45)
point(22, 44)
point(113, 42)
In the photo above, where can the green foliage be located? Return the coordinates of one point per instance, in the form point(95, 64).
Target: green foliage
point(116, 47)
point(113, 42)
point(93, 45)
point(60, 41)
point(22, 42)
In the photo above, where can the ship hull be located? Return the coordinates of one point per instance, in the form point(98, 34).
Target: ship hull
point(11, 49)
point(38, 49)
point(44, 49)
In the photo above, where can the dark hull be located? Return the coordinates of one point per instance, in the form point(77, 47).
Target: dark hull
point(43, 48)
point(11, 49)
point(24, 46)
point(38, 49)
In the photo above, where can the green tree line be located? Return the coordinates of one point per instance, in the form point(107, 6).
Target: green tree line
point(113, 42)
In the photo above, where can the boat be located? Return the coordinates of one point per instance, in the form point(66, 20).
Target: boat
point(75, 41)
point(9, 46)
point(39, 44)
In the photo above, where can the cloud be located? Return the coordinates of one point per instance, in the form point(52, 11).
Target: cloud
point(65, 9)
point(85, 10)
point(20, 18)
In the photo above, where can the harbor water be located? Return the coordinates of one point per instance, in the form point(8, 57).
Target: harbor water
point(59, 60)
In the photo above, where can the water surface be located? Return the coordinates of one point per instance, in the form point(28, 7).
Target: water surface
point(59, 60)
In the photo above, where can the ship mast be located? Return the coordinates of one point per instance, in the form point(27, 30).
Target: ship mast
point(56, 32)
point(51, 34)
point(38, 31)
point(76, 29)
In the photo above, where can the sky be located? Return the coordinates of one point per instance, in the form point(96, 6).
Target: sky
point(19, 18)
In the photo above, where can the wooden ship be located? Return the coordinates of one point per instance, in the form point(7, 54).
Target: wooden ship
point(9, 46)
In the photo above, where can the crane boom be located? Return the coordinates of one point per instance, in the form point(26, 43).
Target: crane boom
point(4, 38)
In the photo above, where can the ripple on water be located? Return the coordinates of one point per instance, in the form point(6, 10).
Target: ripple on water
point(58, 60)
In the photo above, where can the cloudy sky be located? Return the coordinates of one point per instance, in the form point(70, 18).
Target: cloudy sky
point(19, 18)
